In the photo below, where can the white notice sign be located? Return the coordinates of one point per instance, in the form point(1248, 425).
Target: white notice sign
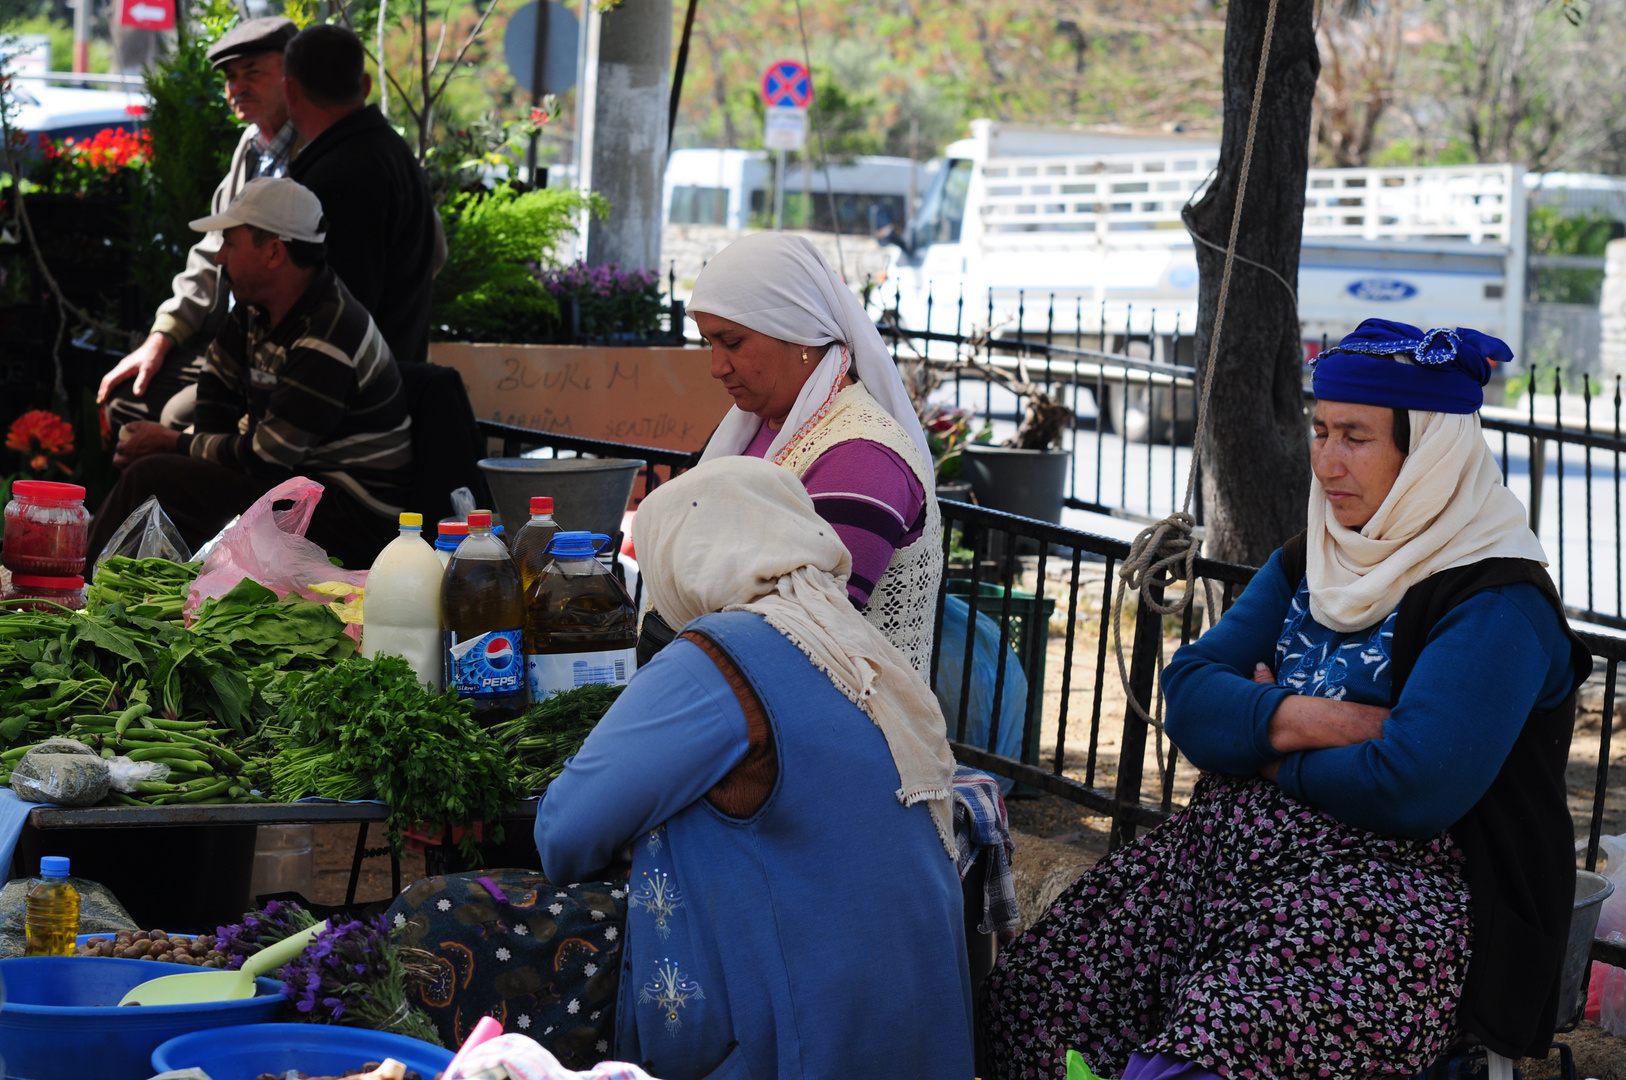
point(784, 128)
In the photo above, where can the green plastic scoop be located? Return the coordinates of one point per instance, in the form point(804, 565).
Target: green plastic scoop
point(198, 987)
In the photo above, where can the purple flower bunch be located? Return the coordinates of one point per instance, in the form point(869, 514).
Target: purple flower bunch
point(269, 925)
point(351, 974)
point(608, 300)
point(578, 279)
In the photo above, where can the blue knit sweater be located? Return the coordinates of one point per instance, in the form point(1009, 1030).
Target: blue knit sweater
point(1488, 664)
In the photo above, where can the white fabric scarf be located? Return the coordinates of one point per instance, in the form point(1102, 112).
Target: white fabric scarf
point(741, 534)
point(1448, 507)
point(778, 284)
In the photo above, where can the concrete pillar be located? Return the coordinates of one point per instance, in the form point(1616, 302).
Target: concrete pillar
point(1612, 310)
point(629, 132)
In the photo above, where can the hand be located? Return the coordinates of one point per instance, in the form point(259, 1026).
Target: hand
point(141, 365)
point(1263, 675)
point(1314, 723)
point(140, 438)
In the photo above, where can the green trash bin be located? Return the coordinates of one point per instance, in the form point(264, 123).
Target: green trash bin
point(1030, 630)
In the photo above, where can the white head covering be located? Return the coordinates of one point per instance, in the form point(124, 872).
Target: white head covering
point(1448, 507)
point(778, 284)
point(741, 534)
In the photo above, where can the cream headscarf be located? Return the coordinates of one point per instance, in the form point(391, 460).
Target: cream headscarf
point(741, 534)
point(778, 284)
point(1448, 508)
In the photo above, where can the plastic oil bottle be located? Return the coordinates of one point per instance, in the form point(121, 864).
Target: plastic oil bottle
point(450, 534)
point(531, 542)
point(580, 624)
point(401, 607)
point(483, 611)
point(51, 911)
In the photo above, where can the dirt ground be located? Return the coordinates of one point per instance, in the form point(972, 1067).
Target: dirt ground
point(334, 847)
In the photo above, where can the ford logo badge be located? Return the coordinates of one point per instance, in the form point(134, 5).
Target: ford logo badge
point(1381, 290)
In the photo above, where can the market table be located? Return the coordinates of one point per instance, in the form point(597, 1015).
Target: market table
point(210, 885)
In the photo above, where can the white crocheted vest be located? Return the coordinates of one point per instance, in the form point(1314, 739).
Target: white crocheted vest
point(904, 601)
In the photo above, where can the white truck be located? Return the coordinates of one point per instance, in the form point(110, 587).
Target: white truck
point(1092, 218)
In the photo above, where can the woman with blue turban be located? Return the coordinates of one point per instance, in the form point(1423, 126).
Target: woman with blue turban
point(1376, 866)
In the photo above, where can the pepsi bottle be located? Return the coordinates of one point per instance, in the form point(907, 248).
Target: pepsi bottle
point(483, 611)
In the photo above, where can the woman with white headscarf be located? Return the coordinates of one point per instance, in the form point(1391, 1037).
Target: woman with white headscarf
point(816, 391)
point(784, 779)
point(1377, 863)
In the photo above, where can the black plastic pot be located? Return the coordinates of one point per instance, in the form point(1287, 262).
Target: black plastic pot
point(1031, 483)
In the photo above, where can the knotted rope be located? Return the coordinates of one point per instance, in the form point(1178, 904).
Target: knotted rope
point(1158, 549)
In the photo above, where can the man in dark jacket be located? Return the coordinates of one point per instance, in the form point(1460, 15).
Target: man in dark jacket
point(384, 238)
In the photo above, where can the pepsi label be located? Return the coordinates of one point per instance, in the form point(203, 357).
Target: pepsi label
point(486, 665)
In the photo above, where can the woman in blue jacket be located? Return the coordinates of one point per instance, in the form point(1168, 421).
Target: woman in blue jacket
point(783, 778)
point(1377, 861)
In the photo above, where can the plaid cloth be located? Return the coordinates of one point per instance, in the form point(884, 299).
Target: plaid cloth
point(515, 1057)
point(980, 826)
point(273, 154)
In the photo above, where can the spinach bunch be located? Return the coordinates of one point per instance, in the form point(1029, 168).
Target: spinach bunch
point(369, 729)
point(264, 630)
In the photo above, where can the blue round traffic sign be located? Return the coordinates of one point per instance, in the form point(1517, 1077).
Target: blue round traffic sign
point(787, 84)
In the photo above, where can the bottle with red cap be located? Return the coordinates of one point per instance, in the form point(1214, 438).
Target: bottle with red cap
point(531, 542)
point(483, 612)
point(449, 535)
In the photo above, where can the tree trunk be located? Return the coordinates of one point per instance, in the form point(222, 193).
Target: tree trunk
point(1255, 451)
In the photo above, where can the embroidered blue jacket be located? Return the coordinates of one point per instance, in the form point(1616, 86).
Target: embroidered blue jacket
point(822, 937)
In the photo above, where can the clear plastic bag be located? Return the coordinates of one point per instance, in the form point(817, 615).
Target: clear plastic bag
point(69, 773)
point(61, 771)
point(269, 546)
point(1606, 992)
point(147, 534)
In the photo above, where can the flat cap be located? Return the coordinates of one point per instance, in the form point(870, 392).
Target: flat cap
point(270, 34)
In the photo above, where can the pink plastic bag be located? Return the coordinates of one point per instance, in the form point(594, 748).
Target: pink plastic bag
point(270, 547)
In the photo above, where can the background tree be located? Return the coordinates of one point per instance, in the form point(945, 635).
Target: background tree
point(1361, 46)
point(1255, 454)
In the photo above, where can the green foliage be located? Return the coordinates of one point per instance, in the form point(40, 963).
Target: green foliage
point(496, 241)
point(1552, 232)
point(61, 34)
point(193, 134)
point(370, 729)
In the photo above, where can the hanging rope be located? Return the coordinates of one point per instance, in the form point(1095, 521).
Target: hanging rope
point(1159, 550)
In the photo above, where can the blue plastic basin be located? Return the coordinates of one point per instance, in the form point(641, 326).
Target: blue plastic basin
point(61, 1018)
point(243, 1053)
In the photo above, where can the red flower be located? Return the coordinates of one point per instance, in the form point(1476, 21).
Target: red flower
point(40, 432)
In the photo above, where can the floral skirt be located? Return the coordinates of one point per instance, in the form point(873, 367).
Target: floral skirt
point(1251, 934)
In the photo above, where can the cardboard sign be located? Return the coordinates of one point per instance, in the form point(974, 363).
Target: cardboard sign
point(148, 14)
point(661, 397)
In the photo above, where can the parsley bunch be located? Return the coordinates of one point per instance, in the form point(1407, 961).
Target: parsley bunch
point(368, 729)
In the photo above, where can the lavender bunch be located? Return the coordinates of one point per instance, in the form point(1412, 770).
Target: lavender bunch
point(269, 925)
point(352, 974)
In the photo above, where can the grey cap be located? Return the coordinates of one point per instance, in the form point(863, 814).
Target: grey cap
point(270, 34)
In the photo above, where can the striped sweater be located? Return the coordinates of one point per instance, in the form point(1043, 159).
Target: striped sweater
point(318, 394)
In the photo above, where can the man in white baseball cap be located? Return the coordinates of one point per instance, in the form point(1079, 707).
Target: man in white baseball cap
point(304, 363)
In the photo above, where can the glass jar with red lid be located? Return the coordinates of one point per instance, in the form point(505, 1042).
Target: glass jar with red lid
point(67, 591)
point(47, 527)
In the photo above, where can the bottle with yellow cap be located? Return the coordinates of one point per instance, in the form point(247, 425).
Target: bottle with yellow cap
point(401, 607)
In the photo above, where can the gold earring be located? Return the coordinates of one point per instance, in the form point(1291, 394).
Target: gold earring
point(804, 357)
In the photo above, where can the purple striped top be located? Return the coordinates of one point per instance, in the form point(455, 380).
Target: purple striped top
point(871, 497)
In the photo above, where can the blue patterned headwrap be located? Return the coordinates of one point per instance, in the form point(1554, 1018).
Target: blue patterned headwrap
point(1449, 375)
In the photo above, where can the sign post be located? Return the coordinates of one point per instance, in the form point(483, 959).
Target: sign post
point(143, 14)
point(787, 91)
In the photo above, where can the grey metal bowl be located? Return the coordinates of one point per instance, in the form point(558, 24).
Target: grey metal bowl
point(589, 494)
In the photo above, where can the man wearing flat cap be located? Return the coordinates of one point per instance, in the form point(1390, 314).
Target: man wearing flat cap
point(298, 382)
point(157, 381)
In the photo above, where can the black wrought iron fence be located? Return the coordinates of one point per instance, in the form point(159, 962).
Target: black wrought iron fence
point(1560, 446)
point(1017, 583)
